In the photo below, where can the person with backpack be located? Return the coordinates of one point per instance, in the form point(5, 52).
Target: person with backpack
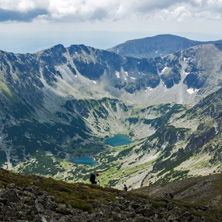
point(94, 178)
point(125, 187)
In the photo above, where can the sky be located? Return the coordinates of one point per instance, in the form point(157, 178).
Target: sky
point(34, 25)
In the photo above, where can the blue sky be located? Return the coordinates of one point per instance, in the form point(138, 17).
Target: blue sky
point(33, 25)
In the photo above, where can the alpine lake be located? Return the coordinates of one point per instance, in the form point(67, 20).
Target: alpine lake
point(117, 140)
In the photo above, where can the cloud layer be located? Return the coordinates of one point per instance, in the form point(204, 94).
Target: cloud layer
point(91, 10)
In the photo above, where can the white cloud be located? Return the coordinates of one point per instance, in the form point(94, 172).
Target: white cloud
point(23, 5)
point(179, 12)
point(26, 5)
point(87, 10)
point(82, 10)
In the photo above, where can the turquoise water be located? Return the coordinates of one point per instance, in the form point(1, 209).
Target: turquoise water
point(118, 140)
point(87, 160)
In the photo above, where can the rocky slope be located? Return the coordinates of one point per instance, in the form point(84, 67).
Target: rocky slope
point(199, 190)
point(39, 199)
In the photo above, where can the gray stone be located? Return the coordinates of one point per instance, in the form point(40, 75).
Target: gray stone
point(117, 216)
point(63, 210)
point(20, 205)
point(12, 196)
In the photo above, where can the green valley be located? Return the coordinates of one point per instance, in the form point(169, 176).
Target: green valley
point(63, 103)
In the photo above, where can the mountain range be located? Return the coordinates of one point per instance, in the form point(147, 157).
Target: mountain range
point(62, 102)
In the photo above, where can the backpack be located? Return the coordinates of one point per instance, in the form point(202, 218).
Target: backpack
point(92, 178)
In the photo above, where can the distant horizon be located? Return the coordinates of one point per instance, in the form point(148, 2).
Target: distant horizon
point(98, 39)
point(28, 26)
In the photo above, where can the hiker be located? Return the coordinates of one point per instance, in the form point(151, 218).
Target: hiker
point(96, 178)
point(125, 187)
point(166, 195)
point(171, 195)
point(92, 178)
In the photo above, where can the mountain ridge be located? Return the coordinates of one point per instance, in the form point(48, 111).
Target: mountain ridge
point(156, 46)
point(62, 102)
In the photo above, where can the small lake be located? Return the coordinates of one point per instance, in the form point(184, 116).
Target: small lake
point(87, 160)
point(118, 140)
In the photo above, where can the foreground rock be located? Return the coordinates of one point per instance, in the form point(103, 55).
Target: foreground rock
point(29, 203)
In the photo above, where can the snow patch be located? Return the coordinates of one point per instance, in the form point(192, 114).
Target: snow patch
point(149, 88)
point(117, 74)
point(164, 69)
point(192, 91)
point(126, 73)
point(94, 82)
point(165, 90)
point(132, 78)
point(156, 52)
